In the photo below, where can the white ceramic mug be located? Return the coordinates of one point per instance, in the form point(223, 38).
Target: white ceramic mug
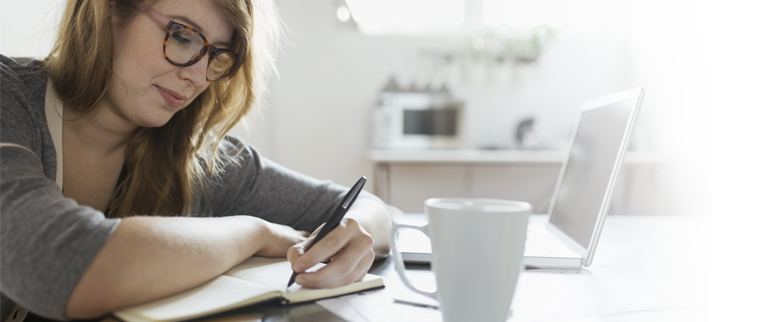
point(478, 247)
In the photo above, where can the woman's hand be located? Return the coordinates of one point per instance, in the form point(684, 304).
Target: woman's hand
point(278, 239)
point(348, 249)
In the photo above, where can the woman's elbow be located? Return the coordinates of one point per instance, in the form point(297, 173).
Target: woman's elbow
point(84, 304)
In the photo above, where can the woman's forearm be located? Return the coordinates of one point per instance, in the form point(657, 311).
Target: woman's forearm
point(151, 257)
point(374, 217)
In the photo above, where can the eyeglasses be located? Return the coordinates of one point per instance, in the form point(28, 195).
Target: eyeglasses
point(188, 46)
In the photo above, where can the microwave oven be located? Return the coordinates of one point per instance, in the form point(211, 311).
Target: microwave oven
point(417, 120)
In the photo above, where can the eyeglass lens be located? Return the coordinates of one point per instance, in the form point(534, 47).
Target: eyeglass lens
point(185, 46)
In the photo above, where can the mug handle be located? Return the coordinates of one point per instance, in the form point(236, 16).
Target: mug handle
point(399, 267)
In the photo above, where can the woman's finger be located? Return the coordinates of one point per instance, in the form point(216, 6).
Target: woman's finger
point(358, 254)
point(337, 273)
point(330, 245)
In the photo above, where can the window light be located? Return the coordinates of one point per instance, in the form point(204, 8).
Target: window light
point(378, 16)
point(524, 13)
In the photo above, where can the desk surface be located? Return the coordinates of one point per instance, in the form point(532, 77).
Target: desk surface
point(647, 268)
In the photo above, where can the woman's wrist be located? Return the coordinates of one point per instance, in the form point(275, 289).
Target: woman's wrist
point(276, 239)
point(263, 231)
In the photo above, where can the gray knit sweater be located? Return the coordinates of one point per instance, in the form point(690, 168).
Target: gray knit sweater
point(48, 240)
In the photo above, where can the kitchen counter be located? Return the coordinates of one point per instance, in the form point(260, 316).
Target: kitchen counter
point(405, 178)
point(496, 156)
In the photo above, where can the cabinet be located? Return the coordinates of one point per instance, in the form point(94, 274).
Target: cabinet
point(405, 179)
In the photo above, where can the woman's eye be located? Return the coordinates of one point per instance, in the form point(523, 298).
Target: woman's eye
point(179, 38)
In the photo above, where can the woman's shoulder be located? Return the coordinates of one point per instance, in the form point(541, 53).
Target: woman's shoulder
point(231, 145)
point(22, 101)
point(232, 152)
point(21, 62)
point(23, 81)
point(18, 71)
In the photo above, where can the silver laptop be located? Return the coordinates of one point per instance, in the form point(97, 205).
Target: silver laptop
point(567, 238)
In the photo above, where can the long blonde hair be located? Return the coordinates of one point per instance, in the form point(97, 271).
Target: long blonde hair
point(164, 166)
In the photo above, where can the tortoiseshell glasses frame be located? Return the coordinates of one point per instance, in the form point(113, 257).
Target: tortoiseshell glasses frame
point(191, 46)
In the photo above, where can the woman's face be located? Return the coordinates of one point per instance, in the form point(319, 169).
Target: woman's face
point(146, 89)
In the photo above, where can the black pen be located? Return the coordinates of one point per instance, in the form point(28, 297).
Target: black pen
point(336, 217)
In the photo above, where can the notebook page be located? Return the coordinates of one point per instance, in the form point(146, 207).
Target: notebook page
point(297, 294)
point(275, 272)
point(271, 272)
point(220, 294)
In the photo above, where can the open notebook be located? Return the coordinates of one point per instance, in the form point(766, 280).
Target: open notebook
point(253, 281)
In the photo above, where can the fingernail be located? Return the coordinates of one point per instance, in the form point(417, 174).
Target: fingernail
point(298, 267)
point(299, 280)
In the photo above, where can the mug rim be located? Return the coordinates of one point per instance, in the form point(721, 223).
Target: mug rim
point(461, 204)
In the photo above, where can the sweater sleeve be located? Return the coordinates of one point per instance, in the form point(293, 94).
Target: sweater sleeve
point(253, 185)
point(48, 241)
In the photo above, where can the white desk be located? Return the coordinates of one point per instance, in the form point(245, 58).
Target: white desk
point(646, 268)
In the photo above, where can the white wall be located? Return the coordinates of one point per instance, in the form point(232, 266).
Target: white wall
point(319, 112)
point(27, 27)
point(667, 54)
point(745, 112)
point(317, 119)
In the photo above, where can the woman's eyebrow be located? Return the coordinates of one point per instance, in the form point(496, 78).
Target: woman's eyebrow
point(191, 23)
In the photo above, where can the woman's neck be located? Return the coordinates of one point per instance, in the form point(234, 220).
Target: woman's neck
point(101, 130)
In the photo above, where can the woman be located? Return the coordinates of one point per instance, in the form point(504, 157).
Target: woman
point(119, 184)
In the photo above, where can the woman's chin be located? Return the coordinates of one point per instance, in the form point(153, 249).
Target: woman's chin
point(155, 121)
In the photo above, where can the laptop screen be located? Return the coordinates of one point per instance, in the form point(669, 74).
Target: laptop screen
point(589, 169)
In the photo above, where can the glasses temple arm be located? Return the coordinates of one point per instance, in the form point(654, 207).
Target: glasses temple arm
point(152, 12)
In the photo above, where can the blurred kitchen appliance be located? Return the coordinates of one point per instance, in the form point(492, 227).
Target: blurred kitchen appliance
point(417, 119)
point(526, 136)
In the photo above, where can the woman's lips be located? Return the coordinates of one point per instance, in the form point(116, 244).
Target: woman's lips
point(171, 97)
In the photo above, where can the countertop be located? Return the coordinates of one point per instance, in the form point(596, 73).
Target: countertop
point(497, 156)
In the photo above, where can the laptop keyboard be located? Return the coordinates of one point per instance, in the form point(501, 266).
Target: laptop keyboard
point(534, 244)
